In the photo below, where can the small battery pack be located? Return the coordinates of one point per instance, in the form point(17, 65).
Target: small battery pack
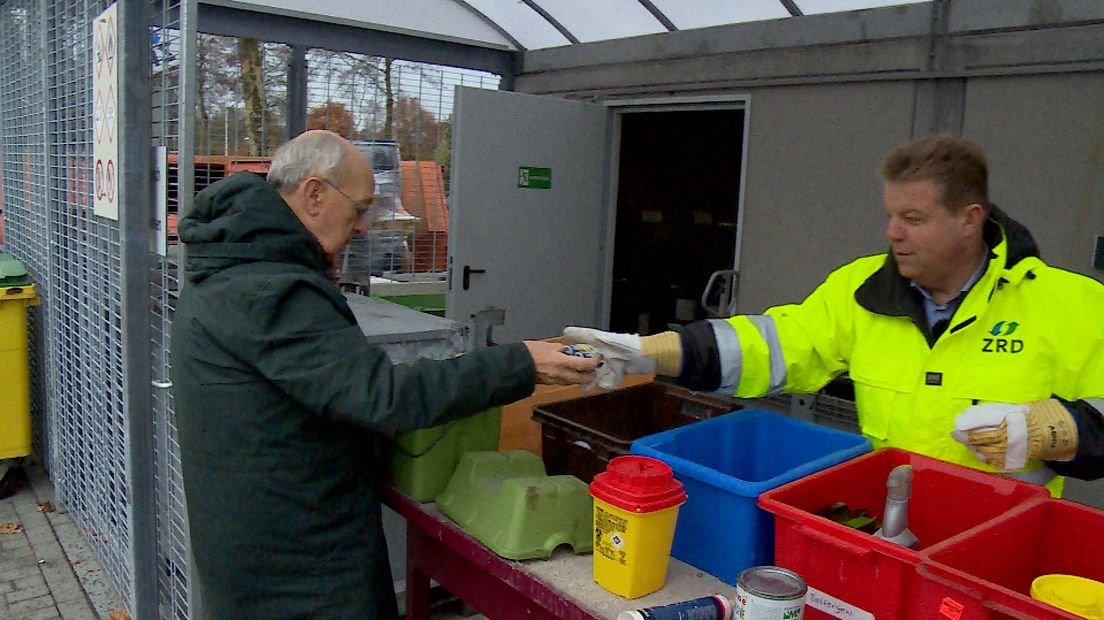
point(584, 350)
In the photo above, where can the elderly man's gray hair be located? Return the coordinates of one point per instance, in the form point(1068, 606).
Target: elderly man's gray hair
point(312, 154)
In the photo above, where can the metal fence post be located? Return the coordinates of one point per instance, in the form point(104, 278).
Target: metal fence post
point(135, 123)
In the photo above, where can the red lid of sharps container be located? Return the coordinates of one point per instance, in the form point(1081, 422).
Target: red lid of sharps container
point(638, 484)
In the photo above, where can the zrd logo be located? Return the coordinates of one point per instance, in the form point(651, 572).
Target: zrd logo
point(1000, 343)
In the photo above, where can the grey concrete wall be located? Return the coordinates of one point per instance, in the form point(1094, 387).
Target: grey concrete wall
point(832, 94)
point(1044, 135)
point(813, 198)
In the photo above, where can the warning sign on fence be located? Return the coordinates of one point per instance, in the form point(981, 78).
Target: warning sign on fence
point(105, 108)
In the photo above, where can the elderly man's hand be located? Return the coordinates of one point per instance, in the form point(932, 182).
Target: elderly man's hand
point(556, 367)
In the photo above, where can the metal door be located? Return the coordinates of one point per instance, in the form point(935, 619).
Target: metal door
point(526, 211)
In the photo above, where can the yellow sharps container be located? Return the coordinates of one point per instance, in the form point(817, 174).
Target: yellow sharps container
point(636, 502)
point(15, 380)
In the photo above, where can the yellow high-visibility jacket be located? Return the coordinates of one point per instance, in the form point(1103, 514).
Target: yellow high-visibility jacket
point(1025, 331)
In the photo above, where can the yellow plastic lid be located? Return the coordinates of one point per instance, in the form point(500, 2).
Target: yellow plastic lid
point(1077, 595)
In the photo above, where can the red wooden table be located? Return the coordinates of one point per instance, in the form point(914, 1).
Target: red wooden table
point(438, 549)
point(560, 588)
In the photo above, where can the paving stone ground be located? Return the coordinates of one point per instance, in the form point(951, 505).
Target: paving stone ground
point(47, 570)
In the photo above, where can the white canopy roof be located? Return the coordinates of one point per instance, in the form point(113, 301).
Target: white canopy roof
point(539, 24)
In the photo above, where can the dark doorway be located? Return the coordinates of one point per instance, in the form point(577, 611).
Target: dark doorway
point(677, 201)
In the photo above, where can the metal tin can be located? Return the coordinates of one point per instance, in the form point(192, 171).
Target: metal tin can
point(770, 593)
point(715, 607)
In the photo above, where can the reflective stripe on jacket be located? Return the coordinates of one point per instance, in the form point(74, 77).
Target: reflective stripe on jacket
point(1024, 332)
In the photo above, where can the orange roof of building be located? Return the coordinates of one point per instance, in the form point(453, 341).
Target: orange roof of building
point(423, 194)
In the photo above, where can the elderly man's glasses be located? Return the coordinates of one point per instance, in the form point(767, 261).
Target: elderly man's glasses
point(362, 206)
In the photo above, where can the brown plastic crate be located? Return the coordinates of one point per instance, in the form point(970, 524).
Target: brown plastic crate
point(580, 436)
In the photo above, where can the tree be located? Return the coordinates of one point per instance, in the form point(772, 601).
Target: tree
point(276, 57)
point(356, 79)
point(371, 86)
point(443, 154)
point(216, 85)
point(415, 129)
point(389, 100)
point(251, 70)
point(239, 105)
point(331, 115)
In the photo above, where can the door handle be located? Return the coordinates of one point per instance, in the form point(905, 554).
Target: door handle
point(727, 283)
point(468, 271)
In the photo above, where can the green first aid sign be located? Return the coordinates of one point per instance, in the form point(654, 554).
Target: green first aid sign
point(534, 178)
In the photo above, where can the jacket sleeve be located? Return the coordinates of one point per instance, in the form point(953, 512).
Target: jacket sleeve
point(309, 348)
point(1088, 463)
point(1080, 385)
point(796, 348)
point(1088, 413)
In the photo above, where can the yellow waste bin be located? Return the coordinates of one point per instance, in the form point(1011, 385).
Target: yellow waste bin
point(15, 380)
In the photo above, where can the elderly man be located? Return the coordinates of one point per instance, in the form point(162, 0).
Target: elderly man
point(279, 397)
point(959, 332)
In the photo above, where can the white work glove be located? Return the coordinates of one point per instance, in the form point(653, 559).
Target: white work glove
point(620, 353)
point(990, 417)
point(1006, 436)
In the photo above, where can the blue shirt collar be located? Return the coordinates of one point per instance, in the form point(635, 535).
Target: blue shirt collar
point(938, 312)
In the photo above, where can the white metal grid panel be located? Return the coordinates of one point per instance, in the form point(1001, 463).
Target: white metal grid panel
point(222, 128)
point(23, 178)
point(172, 76)
point(373, 98)
point(87, 399)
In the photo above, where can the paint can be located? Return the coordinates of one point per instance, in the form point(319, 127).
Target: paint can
point(770, 593)
point(715, 607)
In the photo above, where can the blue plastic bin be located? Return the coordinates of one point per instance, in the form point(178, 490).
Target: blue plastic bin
point(725, 463)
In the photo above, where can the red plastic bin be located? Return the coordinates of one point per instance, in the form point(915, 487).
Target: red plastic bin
point(862, 573)
point(987, 573)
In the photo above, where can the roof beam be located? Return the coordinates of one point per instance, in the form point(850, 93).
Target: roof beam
point(492, 23)
point(792, 7)
point(659, 15)
point(552, 20)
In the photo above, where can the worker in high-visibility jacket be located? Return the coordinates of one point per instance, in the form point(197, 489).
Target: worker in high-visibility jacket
point(962, 344)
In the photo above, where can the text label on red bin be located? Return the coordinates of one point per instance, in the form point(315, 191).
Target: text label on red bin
point(835, 607)
point(950, 608)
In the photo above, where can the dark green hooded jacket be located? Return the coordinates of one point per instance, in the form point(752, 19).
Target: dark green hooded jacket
point(278, 400)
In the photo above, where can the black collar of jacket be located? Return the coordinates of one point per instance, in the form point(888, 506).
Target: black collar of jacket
point(887, 292)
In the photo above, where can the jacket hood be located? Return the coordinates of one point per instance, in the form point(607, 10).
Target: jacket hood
point(242, 219)
point(1021, 244)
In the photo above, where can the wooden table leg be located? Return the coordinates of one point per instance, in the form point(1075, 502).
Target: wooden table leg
point(417, 581)
point(497, 588)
